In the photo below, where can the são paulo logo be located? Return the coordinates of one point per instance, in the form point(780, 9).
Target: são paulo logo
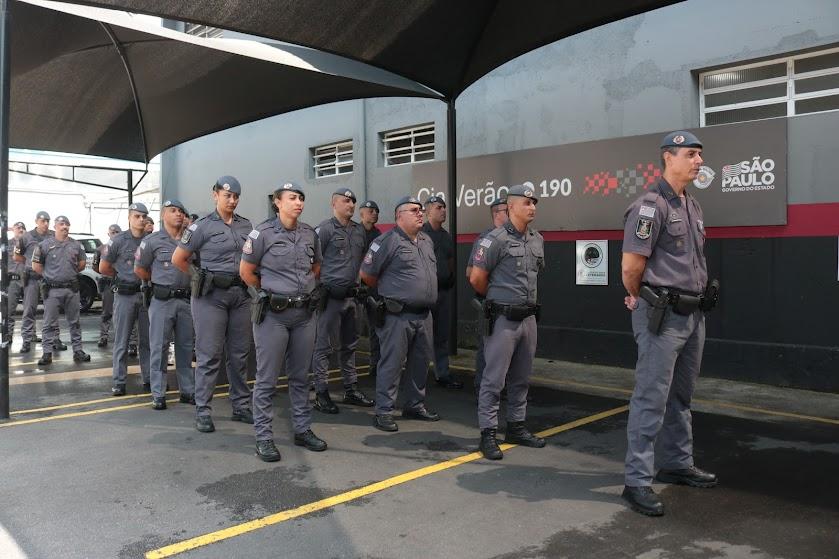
point(749, 176)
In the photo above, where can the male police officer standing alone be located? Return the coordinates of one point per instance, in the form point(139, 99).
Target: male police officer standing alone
point(342, 244)
point(664, 271)
point(118, 261)
point(59, 259)
point(169, 310)
point(369, 213)
point(31, 287)
point(219, 302)
point(281, 261)
point(402, 266)
point(505, 269)
point(435, 211)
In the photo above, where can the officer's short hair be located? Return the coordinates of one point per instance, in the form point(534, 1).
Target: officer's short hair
point(671, 150)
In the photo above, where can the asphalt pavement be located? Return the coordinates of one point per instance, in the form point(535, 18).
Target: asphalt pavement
point(88, 475)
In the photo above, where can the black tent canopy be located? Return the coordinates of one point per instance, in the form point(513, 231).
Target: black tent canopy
point(444, 44)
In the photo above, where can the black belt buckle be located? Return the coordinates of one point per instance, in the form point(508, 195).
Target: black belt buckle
point(298, 302)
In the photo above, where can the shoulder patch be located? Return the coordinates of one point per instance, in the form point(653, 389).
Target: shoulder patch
point(142, 245)
point(193, 226)
point(486, 243)
point(644, 228)
point(248, 246)
point(374, 246)
point(647, 211)
point(187, 235)
point(253, 235)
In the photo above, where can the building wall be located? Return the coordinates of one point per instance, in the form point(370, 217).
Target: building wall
point(630, 77)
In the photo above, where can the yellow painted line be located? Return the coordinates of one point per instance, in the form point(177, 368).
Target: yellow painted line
point(329, 502)
point(119, 408)
point(68, 375)
point(135, 396)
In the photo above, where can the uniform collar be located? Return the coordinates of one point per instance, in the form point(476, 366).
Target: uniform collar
point(215, 215)
point(405, 235)
point(337, 223)
point(512, 230)
point(668, 192)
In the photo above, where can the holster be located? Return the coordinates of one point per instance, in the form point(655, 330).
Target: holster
point(376, 311)
point(259, 304)
point(147, 290)
point(24, 278)
point(711, 297)
point(104, 283)
point(45, 290)
point(318, 298)
point(392, 305)
point(658, 307)
point(199, 282)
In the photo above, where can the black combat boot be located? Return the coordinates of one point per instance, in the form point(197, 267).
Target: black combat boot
point(517, 433)
point(324, 403)
point(46, 359)
point(489, 445)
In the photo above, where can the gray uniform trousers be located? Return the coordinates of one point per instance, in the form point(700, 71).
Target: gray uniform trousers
point(480, 361)
point(69, 300)
point(659, 427)
point(407, 340)
point(509, 353)
point(15, 290)
point(129, 309)
point(107, 311)
point(336, 331)
point(31, 295)
point(441, 314)
point(222, 323)
point(283, 339)
point(166, 317)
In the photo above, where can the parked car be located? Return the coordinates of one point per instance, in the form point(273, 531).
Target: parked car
point(88, 278)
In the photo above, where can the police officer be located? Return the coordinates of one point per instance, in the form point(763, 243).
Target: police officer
point(105, 286)
point(369, 213)
point(342, 242)
point(220, 302)
point(505, 268)
point(15, 271)
point(31, 287)
point(435, 212)
point(59, 259)
point(281, 260)
point(118, 262)
point(402, 266)
point(169, 311)
point(663, 249)
point(498, 214)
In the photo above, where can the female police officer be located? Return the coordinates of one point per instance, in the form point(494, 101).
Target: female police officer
point(281, 259)
point(219, 302)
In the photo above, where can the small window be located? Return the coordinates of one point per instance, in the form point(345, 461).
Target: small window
point(332, 159)
point(408, 145)
point(204, 31)
point(789, 86)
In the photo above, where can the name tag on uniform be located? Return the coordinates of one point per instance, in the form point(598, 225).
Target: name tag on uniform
point(647, 211)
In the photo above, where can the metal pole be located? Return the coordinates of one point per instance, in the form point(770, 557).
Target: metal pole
point(5, 90)
point(451, 200)
point(130, 185)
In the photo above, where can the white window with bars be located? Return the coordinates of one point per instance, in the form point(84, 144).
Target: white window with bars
point(408, 145)
point(789, 86)
point(204, 31)
point(332, 159)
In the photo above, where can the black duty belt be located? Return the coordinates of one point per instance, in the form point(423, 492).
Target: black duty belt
point(164, 292)
point(683, 302)
point(60, 284)
point(279, 303)
point(13, 276)
point(226, 281)
point(338, 292)
point(398, 307)
point(672, 290)
point(126, 288)
point(514, 312)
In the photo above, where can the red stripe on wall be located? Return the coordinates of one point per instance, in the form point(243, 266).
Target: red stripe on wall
point(803, 220)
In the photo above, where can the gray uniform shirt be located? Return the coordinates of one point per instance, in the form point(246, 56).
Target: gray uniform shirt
point(443, 250)
point(27, 243)
point(475, 245)
point(284, 256)
point(513, 261)
point(670, 232)
point(370, 236)
point(155, 253)
point(406, 270)
point(343, 248)
point(217, 244)
point(14, 267)
point(60, 259)
point(120, 252)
